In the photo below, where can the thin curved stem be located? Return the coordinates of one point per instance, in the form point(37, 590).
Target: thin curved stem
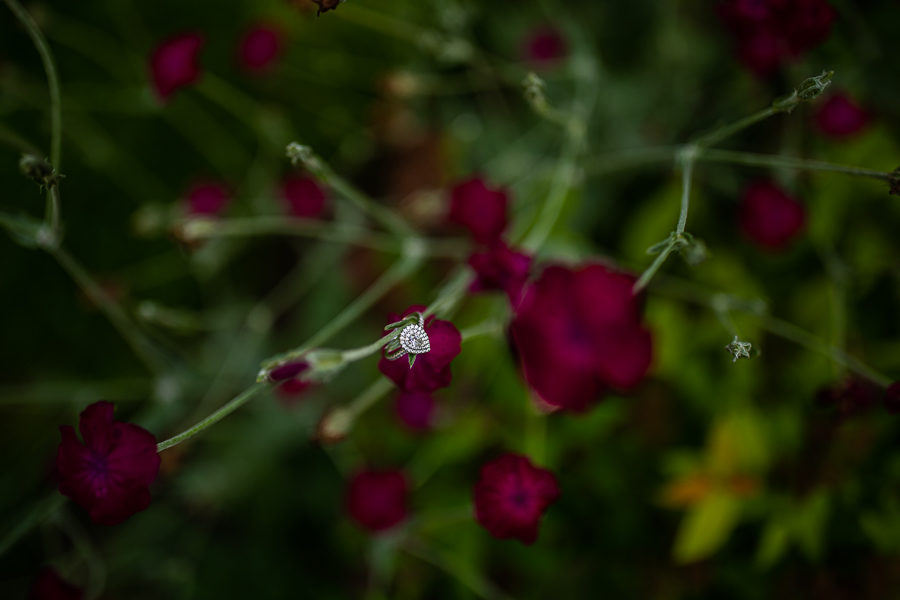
point(237, 402)
point(200, 228)
point(751, 159)
point(689, 292)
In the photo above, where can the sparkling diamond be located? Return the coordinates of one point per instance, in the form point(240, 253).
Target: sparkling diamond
point(414, 340)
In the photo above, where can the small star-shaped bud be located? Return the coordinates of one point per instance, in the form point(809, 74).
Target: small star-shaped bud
point(738, 349)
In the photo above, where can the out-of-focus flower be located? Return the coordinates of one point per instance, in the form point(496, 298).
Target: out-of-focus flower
point(545, 46)
point(414, 409)
point(207, 198)
point(892, 398)
point(769, 32)
point(512, 495)
point(108, 474)
point(431, 370)
point(377, 500)
point(578, 332)
point(259, 47)
point(174, 64)
point(500, 268)
point(480, 209)
point(840, 117)
point(850, 397)
point(50, 586)
point(287, 371)
point(769, 216)
point(302, 196)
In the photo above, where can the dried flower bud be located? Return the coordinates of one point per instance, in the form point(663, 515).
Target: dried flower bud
point(808, 89)
point(39, 170)
point(326, 5)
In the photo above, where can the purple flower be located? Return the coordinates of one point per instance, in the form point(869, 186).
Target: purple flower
point(108, 474)
point(207, 198)
point(578, 332)
point(500, 268)
point(545, 46)
point(50, 586)
point(431, 370)
point(260, 47)
point(377, 500)
point(302, 196)
point(512, 495)
point(174, 64)
point(841, 117)
point(479, 209)
point(769, 216)
point(414, 409)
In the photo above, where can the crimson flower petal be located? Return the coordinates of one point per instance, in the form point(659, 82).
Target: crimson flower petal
point(109, 473)
point(377, 500)
point(512, 495)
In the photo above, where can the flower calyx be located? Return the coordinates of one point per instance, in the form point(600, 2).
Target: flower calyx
point(408, 338)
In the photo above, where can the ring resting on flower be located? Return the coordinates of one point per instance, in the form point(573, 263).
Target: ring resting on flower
point(408, 339)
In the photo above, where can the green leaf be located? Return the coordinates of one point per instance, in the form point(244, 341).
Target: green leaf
point(706, 527)
point(773, 543)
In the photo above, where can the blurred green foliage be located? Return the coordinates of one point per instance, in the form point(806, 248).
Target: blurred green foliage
point(711, 480)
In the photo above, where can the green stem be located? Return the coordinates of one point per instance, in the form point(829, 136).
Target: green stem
point(52, 79)
point(790, 162)
point(38, 514)
point(132, 334)
point(801, 337)
point(304, 155)
point(726, 131)
point(199, 228)
point(687, 160)
point(451, 293)
point(379, 288)
point(348, 356)
point(237, 402)
point(650, 271)
point(343, 418)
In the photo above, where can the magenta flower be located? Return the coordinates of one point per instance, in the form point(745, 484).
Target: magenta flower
point(259, 47)
point(207, 198)
point(769, 32)
point(769, 216)
point(50, 586)
point(479, 209)
point(414, 409)
point(302, 196)
point(545, 46)
point(500, 268)
point(108, 474)
point(578, 332)
point(892, 398)
point(431, 370)
point(377, 500)
point(512, 495)
point(174, 64)
point(841, 117)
